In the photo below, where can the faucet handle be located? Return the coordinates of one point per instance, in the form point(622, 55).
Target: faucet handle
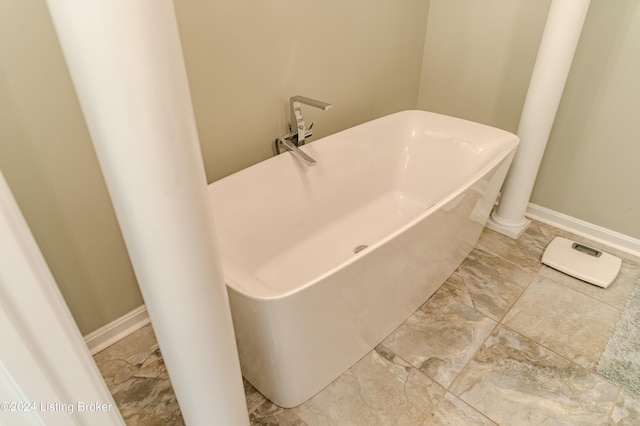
point(308, 129)
point(299, 121)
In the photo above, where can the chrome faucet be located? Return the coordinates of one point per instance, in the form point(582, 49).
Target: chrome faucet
point(298, 131)
point(297, 152)
point(297, 122)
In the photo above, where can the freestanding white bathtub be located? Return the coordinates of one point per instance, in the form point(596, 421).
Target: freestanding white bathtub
point(414, 187)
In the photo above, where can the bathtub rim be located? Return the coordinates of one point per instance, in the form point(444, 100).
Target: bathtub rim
point(234, 274)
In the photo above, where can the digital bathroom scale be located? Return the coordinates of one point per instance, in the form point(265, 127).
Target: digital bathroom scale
point(581, 261)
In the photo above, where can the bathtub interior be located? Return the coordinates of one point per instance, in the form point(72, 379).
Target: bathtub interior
point(294, 225)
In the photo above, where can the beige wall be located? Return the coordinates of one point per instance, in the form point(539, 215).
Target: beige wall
point(244, 59)
point(477, 63)
point(591, 168)
point(49, 163)
point(478, 58)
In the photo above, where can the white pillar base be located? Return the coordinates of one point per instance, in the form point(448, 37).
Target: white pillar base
point(513, 230)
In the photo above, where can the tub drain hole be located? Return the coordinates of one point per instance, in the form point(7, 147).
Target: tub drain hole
point(360, 248)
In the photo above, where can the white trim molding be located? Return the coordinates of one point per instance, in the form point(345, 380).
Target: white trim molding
point(45, 367)
point(116, 330)
point(596, 233)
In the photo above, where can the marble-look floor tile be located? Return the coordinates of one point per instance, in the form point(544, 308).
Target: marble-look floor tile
point(135, 373)
point(453, 341)
point(147, 397)
point(452, 411)
point(440, 337)
point(564, 320)
point(515, 381)
point(121, 360)
point(627, 410)
point(254, 398)
point(374, 391)
point(487, 283)
point(616, 295)
point(381, 389)
point(526, 251)
point(269, 414)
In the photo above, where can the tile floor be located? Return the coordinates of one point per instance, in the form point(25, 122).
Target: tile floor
point(505, 340)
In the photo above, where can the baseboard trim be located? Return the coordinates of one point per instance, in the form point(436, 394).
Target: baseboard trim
point(596, 233)
point(116, 330)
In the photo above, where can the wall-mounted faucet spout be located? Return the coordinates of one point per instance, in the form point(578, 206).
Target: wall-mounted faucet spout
point(291, 146)
point(297, 122)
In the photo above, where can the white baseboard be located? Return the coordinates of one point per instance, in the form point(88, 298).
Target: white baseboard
point(596, 233)
point(119, 329)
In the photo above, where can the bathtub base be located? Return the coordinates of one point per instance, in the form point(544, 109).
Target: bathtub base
point(293, 347)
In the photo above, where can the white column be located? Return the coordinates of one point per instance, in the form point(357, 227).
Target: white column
point(126, 64)
point(557, 48)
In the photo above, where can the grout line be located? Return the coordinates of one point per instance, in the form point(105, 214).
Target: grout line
point(615, 403)
point(621, 309)
point(517, 299)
